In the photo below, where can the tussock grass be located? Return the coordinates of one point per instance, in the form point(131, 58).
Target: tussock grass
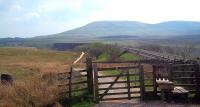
point(21, 62)
point(34, 72)
point(34, 92)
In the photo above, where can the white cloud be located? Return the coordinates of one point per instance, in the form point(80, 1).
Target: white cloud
point(31, 15)
point(151, 11)
point(27, 16)
point(56, 5)
point(16, 7)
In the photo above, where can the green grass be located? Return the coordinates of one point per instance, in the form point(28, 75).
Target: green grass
point(24, 62)
point(103, 57)
point(124, 57)
point(32, 54)
point(129, 57)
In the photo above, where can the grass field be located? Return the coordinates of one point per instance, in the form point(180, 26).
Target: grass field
point(129, 57)
point(124, 57)
point(23, 62)
point(33, 71)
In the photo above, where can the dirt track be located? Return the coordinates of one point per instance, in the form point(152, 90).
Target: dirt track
point(138, 103)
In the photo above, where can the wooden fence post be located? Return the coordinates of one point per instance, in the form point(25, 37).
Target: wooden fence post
point(96, 88)
point(142, 87)
point(70, 87)
point(89, 75)
point(170, 70)
point(154, 81)
point(128, 84)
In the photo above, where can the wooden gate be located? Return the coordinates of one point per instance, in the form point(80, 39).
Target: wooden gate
point(115, 83)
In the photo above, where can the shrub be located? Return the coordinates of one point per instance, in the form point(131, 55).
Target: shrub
point(97, 49)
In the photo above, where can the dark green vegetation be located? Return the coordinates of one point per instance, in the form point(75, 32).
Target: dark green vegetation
point(84, 103)
point(102, 51)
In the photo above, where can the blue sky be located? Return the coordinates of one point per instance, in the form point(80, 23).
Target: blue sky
point(28, 18)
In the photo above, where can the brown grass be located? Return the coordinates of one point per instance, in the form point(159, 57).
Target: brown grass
point(35, 92)
point(34, 73)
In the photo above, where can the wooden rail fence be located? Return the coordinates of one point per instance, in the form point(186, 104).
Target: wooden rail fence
point(185, 75)
point(137, 83)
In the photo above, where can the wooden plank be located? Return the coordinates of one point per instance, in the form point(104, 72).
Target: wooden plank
point(120, 93)
point(181, 65)
point(119, 98)
point(101, 83)
point(79, 76)
point(117, 68)
point(80, 70)
point(77, 90)
point(183, 71)
point(116, 88)
point(105, 76)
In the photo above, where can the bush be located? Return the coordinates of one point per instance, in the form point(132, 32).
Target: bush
point(113, 51)
point(97, 49)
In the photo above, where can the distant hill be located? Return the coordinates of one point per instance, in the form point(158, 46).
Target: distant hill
point(108, 30)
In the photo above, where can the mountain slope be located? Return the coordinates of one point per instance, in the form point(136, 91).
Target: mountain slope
point(110, 28)
point(102, 30)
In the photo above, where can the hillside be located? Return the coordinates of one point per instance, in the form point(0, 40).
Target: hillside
point(113, 30)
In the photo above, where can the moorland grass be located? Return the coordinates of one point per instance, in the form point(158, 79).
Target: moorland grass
point(28, 67)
